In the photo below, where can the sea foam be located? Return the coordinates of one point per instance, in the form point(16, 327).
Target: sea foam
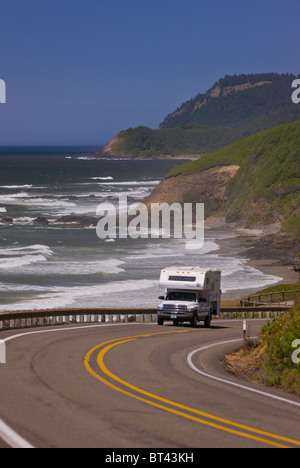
point(20, 257)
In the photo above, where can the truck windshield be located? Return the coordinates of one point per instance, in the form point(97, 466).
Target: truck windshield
point(181, 296)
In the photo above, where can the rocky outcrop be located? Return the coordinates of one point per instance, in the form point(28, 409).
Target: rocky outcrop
point(111, 150)
point(6, 221)
point(208, 186)
point(280, 246)
point(82, 221)
point(41, 220)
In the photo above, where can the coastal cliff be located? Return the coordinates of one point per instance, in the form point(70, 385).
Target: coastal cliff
point(207, 186)
point(253, 183)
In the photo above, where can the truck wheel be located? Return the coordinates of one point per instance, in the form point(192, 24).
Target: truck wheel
point(207, 321)
point(194, 321)
point(160, 321)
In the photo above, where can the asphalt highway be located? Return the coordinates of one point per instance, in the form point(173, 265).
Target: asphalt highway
point(136, 386)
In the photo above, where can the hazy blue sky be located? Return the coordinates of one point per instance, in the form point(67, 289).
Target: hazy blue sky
point(79, 71)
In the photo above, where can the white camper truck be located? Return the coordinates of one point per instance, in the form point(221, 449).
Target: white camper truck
point(191, 295)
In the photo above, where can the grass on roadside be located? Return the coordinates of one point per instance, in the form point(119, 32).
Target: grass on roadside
point(276, 366)
point(270, 360)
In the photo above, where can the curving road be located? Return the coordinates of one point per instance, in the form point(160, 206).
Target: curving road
point(136, 386)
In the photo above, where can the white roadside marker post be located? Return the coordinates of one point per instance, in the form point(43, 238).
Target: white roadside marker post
point(2, 352)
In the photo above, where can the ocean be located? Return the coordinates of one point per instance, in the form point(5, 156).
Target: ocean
point(57, 265)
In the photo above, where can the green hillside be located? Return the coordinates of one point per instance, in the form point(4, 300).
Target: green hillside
point(193, 139)
point(236, 106)
point(235, 101)
point(189, 140)
point(273, 120)
point(267, 185)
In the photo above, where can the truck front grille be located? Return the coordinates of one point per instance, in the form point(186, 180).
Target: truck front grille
point(174, 308)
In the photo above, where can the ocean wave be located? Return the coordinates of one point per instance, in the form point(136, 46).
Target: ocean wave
point(50, 203)
point(133, 183)
point(245, 277)
point(20, 257)
point(107, 267)
point(101, 178)
point(13, 196)
point(85, 158)
point(109, 293)
point(28, 258)
point(23, 198)
point(37, 249)
point(138, 192)
point(14, 187)
point(18, 262)
point(151, 254)
point(236, 273)
point(193, 247)
point(26, 288)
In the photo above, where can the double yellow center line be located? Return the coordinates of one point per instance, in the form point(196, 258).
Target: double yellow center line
point(171, 406)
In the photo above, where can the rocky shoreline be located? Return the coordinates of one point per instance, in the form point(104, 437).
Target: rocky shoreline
point(280, 247)
point(79, 221)
point(273, 254)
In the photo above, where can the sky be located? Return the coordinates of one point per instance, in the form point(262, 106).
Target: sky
point(79, 71)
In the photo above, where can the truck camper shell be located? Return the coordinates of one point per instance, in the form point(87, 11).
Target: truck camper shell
point(192, 279)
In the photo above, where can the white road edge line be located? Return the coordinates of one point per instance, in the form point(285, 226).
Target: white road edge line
point(7, 434)
point(87, 326)
point(13, 439)
point(229, 382)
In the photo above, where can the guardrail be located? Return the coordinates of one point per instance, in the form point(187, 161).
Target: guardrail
point(41, 318)
point(271, 298)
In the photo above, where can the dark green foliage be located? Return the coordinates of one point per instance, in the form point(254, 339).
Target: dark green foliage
point(236, 109)
point(273, 120)
point(189, 140)
point(276, 367)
